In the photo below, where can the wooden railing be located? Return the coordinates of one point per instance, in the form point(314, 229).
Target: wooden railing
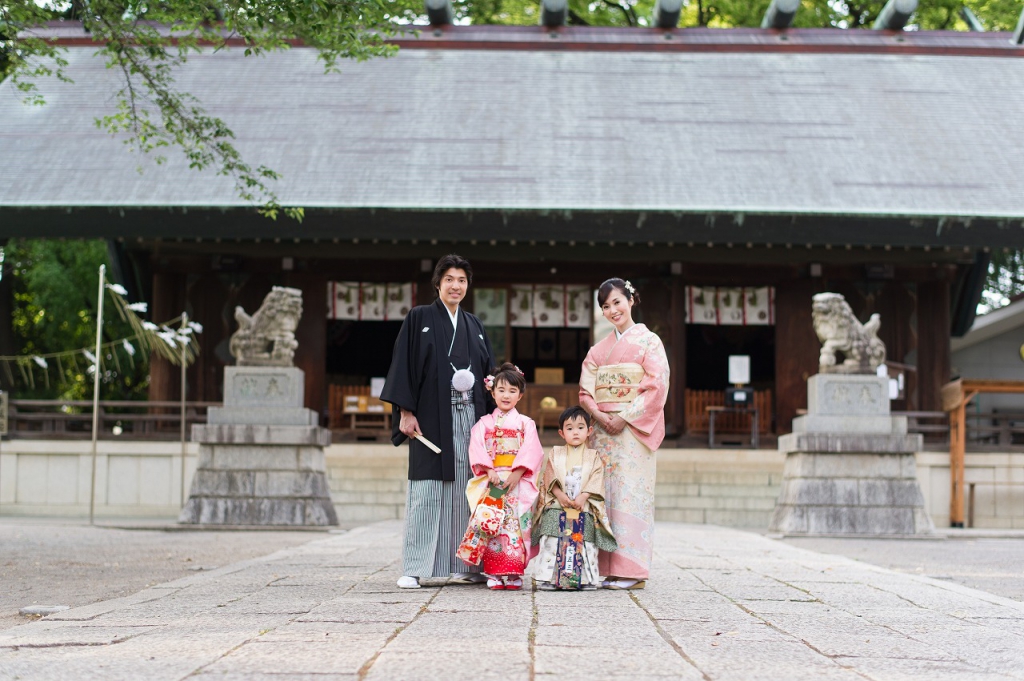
point(698, 401)
point(351, 407)
point(72, 420)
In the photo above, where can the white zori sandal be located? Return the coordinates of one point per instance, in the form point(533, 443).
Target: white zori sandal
point(406, 582)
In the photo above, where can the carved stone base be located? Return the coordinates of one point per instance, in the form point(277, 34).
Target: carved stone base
point(851, 494)
point(261, 456)
point(260, 484)
point(850, 466)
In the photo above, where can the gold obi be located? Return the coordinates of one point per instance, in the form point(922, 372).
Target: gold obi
point(617, 383)
point(504, 460)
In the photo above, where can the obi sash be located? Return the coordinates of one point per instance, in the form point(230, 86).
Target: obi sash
point(617, 383)
point(504, 443)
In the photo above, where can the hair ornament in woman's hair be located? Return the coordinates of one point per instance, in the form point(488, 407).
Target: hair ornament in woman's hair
point(489, 382)
point(629, 287)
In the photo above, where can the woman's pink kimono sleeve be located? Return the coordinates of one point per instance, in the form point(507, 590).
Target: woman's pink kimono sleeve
point(646, 413)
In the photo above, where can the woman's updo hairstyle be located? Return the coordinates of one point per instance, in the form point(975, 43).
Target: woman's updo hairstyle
point(507, 373)
point(616, 284)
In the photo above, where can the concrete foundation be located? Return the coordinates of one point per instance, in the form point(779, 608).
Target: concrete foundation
point(850, 467)
point(261, 457)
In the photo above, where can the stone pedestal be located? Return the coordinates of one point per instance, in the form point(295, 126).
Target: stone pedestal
point(850, 467)
point(261, 456)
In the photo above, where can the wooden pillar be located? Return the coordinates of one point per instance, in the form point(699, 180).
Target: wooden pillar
point(933, 353)
point(7, 344)
point(796, 349)
point(677, 360)
point(311, 335)
point(957, 447)
point(168, 302)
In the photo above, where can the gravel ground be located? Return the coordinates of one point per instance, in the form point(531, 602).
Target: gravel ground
point(995, 565)
point(64, 562)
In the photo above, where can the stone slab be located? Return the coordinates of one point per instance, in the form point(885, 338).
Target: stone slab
point(263, 415)
point(720, 604)
point(267, 387)
point(254, 433)
point(847, 395)
point(850, 442)
point(206, 510)
point(850, 494)
point(818, 423)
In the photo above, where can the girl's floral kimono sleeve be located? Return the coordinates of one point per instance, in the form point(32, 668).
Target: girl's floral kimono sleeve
point(531, 453)
point(479, 457)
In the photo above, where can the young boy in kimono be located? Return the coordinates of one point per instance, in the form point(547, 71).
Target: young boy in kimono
point(505, 454)
point(571, 522)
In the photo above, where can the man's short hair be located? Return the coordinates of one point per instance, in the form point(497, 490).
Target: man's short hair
point(448, 262)
point(574, 412)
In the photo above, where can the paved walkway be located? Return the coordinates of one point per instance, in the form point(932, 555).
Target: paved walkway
point(721, 604)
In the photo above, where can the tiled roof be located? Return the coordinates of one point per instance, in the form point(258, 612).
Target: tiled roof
point(754, 131)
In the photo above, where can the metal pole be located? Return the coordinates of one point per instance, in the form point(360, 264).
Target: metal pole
point(96, 393)
point(184, 324)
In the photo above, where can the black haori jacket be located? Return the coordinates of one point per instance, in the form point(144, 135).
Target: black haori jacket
point(420, 380)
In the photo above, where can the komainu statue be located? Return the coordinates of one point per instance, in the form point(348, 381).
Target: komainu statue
point(267, 338)
point(840, 331)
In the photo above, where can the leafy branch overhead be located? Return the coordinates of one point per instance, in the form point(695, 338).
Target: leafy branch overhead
point(149, 42)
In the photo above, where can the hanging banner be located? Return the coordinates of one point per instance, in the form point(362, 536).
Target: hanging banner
point(489, 306)
point(400, 299)
point(549, 305)
point(369, 302)
point(579, 300)
point(730, 306)
point(520, 308)
point(701, 305)
point(343, 300)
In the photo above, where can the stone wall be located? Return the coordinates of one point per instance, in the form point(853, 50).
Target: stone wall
point(995, 505)
point(734, 487)
point(133, 479)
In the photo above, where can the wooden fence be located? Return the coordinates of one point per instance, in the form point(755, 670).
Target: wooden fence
point(698, 401)
point(125, 419)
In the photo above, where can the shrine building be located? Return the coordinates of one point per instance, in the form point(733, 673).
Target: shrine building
point(728, 174)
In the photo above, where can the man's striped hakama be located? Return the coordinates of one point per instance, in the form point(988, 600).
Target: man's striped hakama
point(437, 512)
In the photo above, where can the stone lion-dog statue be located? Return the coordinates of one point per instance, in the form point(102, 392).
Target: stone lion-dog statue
point(840, 331)
point(267, 338)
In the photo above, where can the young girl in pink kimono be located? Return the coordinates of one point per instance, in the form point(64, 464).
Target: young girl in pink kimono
point(505, 454)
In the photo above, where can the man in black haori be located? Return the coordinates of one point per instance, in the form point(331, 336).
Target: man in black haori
point(435, 387)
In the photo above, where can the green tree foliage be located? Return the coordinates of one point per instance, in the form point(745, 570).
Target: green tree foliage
point(1005, 280)
point(995, 15)
point(55, 285)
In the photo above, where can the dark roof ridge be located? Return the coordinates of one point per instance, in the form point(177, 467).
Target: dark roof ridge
point(621, 39)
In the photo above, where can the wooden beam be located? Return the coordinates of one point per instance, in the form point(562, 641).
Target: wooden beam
point(933, 351)
point(796, 349)
point(677, 359)
point(957, 447)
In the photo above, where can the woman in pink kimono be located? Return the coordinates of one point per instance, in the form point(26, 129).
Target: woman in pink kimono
point(624, 385)
point(505, 454)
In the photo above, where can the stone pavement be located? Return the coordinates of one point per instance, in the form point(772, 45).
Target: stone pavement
point(721, 604)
